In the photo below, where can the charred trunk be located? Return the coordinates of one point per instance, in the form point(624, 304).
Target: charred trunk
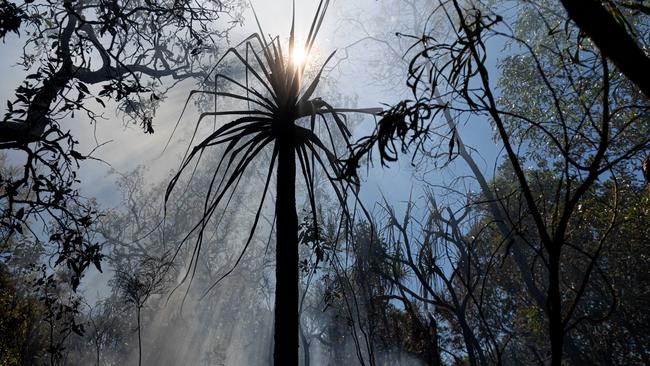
point(286, 338)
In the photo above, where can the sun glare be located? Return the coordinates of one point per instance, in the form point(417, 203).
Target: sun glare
point(299, 56)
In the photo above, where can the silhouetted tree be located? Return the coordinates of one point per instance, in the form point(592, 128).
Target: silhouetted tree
point(149, 277)
point(79, 56)
point(277, 97)
point(560, 105)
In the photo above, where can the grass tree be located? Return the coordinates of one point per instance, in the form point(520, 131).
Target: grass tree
point(284, 117)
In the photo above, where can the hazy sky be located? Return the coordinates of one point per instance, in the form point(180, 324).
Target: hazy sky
point(355, 75)
point(345, 24)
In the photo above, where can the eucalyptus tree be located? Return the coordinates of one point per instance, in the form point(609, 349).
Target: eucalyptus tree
point(278, 97)
point(559, 105)
point(77, 58)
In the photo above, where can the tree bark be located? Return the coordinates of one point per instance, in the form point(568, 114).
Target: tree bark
point(286, 338)
point(612, 39)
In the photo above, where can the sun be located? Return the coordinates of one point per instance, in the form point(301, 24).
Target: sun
point(298, 56)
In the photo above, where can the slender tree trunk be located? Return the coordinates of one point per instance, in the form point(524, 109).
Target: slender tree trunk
point(97, 350)
point(286, 339)
point(139, 340)
point(433, 349)
point(52, 353)
point(554, 306)
point(468, 337)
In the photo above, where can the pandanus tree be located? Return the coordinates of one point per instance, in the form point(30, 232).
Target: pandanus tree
point(283, 116)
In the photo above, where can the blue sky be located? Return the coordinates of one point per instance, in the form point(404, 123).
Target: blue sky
point(347, 23)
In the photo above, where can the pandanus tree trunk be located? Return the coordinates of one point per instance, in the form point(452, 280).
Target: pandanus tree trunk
point(285, 350)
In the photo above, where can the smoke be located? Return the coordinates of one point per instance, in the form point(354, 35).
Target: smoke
point(231, 324)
